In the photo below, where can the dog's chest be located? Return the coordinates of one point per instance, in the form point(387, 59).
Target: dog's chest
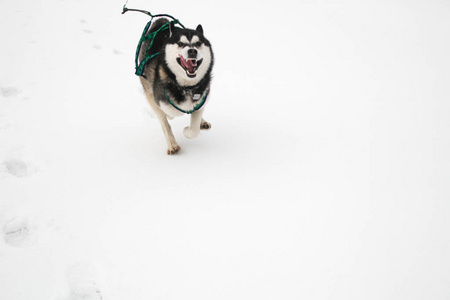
point(187, 101)
point(192, 95)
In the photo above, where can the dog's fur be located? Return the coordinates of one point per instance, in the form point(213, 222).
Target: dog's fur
point(184, 83)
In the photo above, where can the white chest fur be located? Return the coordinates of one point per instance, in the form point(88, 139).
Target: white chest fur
point(191, 102)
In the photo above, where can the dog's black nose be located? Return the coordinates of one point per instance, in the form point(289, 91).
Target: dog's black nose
point(192, 53)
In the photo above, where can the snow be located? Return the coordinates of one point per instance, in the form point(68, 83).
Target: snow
point(324, 176)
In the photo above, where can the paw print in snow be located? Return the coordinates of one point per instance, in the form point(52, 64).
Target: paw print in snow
point(19, 232)
point(9, 91)
point(19, 168)
point(82, 282)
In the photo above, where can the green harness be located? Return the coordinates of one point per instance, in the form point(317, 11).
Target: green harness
point(149, 56)
point(149, 37)
point(196, 107)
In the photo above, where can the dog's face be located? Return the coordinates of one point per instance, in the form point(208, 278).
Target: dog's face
point(188, 55)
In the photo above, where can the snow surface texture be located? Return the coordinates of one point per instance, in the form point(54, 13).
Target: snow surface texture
point(325, 174)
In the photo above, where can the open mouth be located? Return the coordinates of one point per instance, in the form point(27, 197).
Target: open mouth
point(190, 65)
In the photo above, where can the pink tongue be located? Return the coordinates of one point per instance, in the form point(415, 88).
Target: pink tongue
point(188, 64)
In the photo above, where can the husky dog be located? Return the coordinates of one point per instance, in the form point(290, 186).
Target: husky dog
point(177, 81)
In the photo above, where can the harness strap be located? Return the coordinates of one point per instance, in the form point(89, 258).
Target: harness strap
point(196, 107)
point(149, 37)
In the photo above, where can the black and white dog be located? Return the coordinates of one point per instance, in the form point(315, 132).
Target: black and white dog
point(177, 81)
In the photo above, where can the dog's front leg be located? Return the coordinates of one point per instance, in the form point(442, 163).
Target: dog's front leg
point(193, 130)
point(167, 130)
point(171, 142)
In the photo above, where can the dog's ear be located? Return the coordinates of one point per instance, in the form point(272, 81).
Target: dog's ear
point(171, 28)
point(199, 29)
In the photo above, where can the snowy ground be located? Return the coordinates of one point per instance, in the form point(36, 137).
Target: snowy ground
point(325, 175)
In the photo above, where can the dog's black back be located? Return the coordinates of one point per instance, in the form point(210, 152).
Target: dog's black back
point(159, 39)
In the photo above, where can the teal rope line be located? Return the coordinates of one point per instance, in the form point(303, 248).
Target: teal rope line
point(197, 107)
point(151, 38)
point(139, 49)
point(148, 37)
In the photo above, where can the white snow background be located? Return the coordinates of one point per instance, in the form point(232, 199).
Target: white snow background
point(325, 174)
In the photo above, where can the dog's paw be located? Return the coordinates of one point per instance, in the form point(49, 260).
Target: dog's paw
point(190, 133)
point(205, 125)
point(173, 150)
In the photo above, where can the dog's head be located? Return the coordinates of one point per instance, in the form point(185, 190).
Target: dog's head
point(188, 55)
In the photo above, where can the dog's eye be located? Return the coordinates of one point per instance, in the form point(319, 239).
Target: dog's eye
point(198, 44)
point(180, 44)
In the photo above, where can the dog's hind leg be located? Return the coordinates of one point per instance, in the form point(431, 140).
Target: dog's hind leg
point(205, 125)
point(173, 147)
